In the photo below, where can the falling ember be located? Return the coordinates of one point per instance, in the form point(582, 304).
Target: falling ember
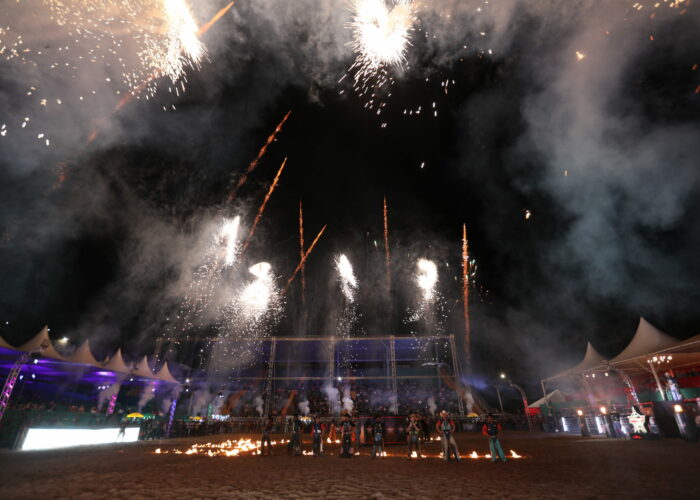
point(263, 205)
point(426, 278)
point(527, 213)
point(253, 164)
point(381, 34)
point(348, 282)
point(303, 260)
point(580, 56)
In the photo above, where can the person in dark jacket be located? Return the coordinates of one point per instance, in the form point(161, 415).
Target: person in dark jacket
point(492, 430)
point(378, 437)
point(347, 428)
point(317, 430)
point(265, 438)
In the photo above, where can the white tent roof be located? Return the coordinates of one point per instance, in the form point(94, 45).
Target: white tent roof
point(39, 340)
point(83, 355)
point(116, 363)
point(142, 369)
point(165, 375)
point(5, 345)
point(647, 339)
point(592, 359)
point(555, 396)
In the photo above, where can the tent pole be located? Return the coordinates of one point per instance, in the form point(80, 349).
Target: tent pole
point(544, 393)
point(658, 382)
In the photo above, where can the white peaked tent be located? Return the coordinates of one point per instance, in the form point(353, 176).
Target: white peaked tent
point(39, 340)
point(591, 360)
point(142, 369)
point(647, 339)
point(83, 355)
point(165, 375)
point(556, 396)
point(116, 363)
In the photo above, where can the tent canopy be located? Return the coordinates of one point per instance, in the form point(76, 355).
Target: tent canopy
point(142, 369)
point(592, 359)
point(42, 343)
point(83, 355)
point(116, 363)
point(165, 375)
point(555, 396)
point(647, 339)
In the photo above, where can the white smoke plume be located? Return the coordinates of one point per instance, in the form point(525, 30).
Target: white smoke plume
point(333, 398)
point(105, 395)
point(169, 398)
point(259, 403)
point(348, 403)
point(304, 407)
point(147, 394)
point(432, 407)
point(200, 399)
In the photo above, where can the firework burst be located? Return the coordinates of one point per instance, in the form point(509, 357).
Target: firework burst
point(381, 37)
point(426, 279)
point(256, 298)
point(346, 276)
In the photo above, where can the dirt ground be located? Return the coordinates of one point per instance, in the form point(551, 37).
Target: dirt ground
point(552, 467)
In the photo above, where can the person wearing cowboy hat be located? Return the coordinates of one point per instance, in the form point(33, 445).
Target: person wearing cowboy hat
point(413, 438)
point(446, 428)
point(346, 430)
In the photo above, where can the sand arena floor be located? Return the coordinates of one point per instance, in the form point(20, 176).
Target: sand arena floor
point(552, 467)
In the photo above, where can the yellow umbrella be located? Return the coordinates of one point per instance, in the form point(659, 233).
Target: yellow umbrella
point(134, 415)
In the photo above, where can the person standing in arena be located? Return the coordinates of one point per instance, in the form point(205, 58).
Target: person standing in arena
point(378, 437)
point(346, 431)
point(492, 430)
point(265, 438)
point(445, 429)
point(413, 436)
point(317, 429)
point(295, 442)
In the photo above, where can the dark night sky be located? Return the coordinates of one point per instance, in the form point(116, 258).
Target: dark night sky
point(615, 239)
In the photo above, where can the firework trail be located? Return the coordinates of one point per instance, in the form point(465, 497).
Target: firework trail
point(303, 259)
point(262, 206)
point(386, 248)
point(465, 297)
point(253, 164)
point(301, 254)
point(346, 276)
point(206, 26)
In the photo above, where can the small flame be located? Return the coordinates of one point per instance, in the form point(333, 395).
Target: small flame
point(514, 455)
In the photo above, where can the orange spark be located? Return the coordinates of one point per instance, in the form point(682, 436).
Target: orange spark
point(261, 153)
point(301, 254)
point(262, 207)
point(205, 27)
point(303, 259)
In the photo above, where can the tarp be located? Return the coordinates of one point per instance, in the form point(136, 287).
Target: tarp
point(555, 396)
point(116, 363)
point(142, 369)
point(592, 359)
point(35, 345)
point(647, 339)
point(165, 375)
point(83, 355)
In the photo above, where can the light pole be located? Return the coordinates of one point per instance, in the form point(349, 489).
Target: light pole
point(502, 376)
